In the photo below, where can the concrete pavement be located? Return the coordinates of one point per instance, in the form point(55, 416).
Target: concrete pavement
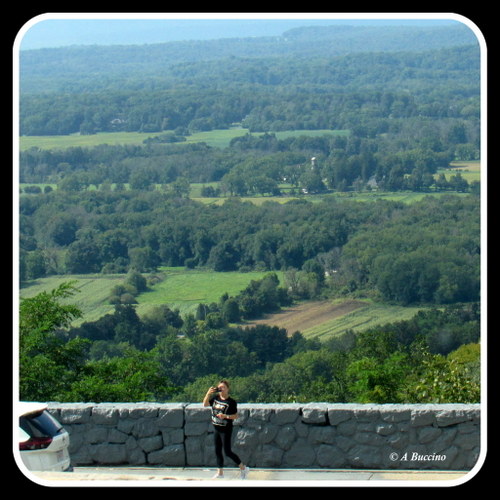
point(192, 476)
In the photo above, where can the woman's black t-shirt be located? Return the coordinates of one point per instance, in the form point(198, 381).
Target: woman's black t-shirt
point(227, 407)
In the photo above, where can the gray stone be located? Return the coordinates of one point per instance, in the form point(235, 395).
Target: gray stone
point(271, 456)
point(196, 413)
point(173, 455)
point(362, 455)
point(262, 414)
point(367, 413)
point(79, 414)
point(301, 454)
point(336, 416)
point(468, 441)
point(285, 437)
point(420, 417)
point(248, 438)
point(369, 438)
point(445, 439)
point(286, 415)
point(171, 417)
point(143, 410)
point(395, 413)
point(97, 435)
point(318, 435)
point(109, 453)
point(268, 433)
point(448, 417)
point(136, 457)
point(330, 456)
point(172, 436)
point(195, 428)
point(194, 450)
point(385, 429)
point(144, 427)
point(151, 443)
point(104, 415)
point(116, 436)
point(126, 425)
point(398, 441)
point(428, 434)
point(347, 428)
point(314, 413)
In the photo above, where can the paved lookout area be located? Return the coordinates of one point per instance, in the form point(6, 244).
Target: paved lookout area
point(159, 476)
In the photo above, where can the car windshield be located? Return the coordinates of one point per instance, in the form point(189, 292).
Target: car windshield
point(40, 424)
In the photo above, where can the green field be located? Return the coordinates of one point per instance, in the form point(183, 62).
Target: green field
point(400, 196)
point(184, 289)
point(181, 289)
point(92, 298)
point(214, 138)
point(368, 316)
point(469, 170)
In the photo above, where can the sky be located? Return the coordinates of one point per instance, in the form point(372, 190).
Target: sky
point(55, 30)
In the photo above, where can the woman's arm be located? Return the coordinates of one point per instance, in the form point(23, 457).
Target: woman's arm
point(206, 399)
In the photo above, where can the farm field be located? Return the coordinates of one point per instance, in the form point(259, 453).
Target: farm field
point(323, 319)
point(469, 170)
point(181, 289)
point(401, 196)
point(184, 289)
point(214, 138)
point(92, 298)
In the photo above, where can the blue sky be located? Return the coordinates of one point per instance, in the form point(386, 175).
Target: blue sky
point(51, 32)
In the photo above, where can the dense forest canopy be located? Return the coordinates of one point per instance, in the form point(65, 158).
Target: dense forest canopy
point(263, 94)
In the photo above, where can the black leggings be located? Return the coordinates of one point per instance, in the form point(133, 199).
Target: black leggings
point(222, 439)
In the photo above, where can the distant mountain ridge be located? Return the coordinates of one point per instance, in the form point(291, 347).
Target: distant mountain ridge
point(319, 41)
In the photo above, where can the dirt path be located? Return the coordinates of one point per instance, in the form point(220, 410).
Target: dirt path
point(306, 315)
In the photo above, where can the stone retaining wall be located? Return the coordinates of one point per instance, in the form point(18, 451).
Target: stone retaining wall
point(315, 435)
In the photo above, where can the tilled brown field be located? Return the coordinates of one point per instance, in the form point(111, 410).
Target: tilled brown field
point(309, 314)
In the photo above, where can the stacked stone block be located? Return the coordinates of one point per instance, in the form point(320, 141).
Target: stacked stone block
point(315, 435)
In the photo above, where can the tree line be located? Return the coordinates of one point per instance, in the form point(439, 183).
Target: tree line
point(404, 362)
point(264, 164)
point(425, 252)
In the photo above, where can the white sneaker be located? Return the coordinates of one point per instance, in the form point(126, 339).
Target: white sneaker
point(218, 475)
point(244, 472)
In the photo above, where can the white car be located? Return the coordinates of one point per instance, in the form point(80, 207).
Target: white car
point(43, 442)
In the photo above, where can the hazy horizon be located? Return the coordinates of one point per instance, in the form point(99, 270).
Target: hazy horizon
point(53, 33)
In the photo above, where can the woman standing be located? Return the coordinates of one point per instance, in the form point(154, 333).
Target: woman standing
point(224, 411)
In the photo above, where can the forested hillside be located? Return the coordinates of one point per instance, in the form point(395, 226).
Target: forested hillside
point(265, 94)
point(425, 252)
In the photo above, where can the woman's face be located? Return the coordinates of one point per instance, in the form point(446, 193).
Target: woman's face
point(223, 388)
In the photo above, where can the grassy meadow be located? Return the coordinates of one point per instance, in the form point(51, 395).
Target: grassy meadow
point(214, 138)
point(180, 288)
point(184, 289)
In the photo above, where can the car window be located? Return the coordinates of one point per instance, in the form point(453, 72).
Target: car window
point(40, 424)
